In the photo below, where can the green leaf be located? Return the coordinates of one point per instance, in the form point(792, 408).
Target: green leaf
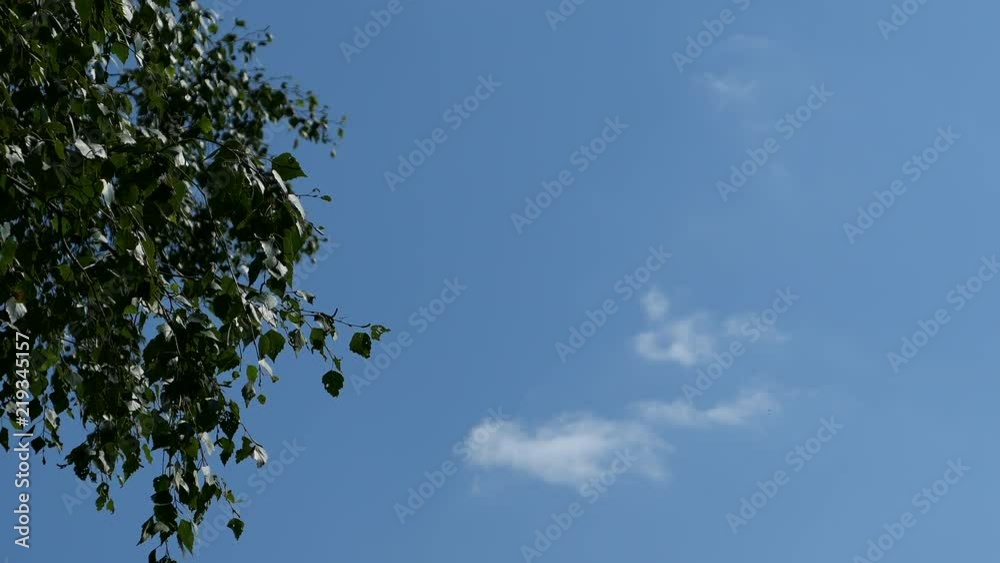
point(185, 535)
point(317, 337)
point(226, 446)
point(161, 484)
point(166, 514)
point(286, 165)
point(147, 531)
point(296, 340)
point(7, 255)
point(228, 360)
point(361, 344)
point(120, 50)
point(142, 211)
point(333, 382)
point(236, 525)
point(248, 392)
point(162, 497)
point(85, 8)
point(378, 331)
point(271, 344)
point(245, 451)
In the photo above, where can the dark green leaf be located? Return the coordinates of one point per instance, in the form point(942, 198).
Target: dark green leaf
point(185, 535)
point(287, 166)
point(147, 532)
point(317, 338)
point(149, 235)
point(236, 525)
point(85, 9)
point(120, 50)
point(333, 382)
point(271, 344)
point(248, 392)
point(361, 344)
point(378, 331)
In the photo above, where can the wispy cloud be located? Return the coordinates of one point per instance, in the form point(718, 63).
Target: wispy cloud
point(743, 410)
point(687, 341)
point(694, 339)
point(575, 448)
point(572, 448)
point(655, 305)
point(728, 90)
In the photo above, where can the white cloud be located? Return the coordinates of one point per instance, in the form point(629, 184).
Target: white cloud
point(571, 449)
point(694, 339)
point(686, 341)
point(728, 89)
point(655, 305)
point(739, 412)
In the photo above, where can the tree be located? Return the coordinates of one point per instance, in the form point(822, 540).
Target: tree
point(149, 241)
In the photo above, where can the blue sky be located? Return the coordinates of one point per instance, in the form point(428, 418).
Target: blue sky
point(481, 391)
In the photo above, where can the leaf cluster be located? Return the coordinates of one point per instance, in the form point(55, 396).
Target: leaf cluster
point(149, 241)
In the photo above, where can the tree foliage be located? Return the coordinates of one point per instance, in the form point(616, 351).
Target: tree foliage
point(149, 241)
